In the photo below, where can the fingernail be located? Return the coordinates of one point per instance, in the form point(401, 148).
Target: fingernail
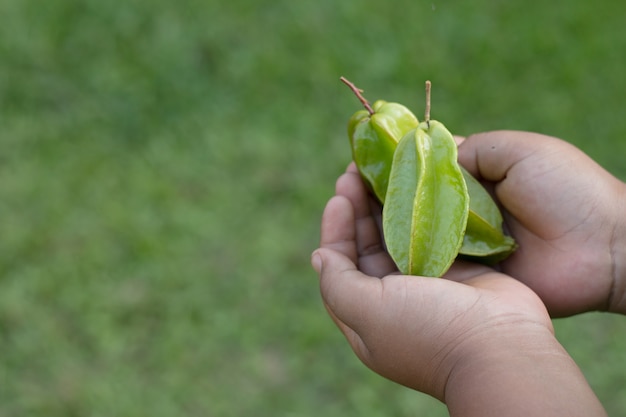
point(316, 262)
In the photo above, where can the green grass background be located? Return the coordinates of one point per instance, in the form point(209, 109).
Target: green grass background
point(163, 167)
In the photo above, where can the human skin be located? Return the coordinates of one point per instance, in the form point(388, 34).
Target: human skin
point(566, 212)
point(480, 340)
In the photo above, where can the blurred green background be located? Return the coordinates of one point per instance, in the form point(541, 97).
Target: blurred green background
point(164, 165)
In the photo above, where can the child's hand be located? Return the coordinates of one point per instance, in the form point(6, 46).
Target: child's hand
point(478, 340)
point(567, 214)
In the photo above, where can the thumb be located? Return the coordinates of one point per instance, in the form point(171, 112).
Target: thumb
point(490, 155)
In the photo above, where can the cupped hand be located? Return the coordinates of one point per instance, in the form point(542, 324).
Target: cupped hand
point(565, 212)
point(413, 330)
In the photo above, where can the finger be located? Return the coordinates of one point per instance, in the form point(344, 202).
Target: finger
point(351, 186)
point(373, 259)
point(528, 170)
point(338, 228)
point(350, 295)
point(491, 155)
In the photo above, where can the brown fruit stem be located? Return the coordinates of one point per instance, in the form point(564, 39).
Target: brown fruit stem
point(358, 92)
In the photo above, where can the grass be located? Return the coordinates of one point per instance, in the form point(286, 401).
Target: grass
point(164, 166)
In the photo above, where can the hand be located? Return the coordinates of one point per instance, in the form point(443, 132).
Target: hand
point(409, 329)
point(467, 339)
point(566, 213)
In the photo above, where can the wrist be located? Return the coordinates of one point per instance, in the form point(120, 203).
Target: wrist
point(519, 371)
